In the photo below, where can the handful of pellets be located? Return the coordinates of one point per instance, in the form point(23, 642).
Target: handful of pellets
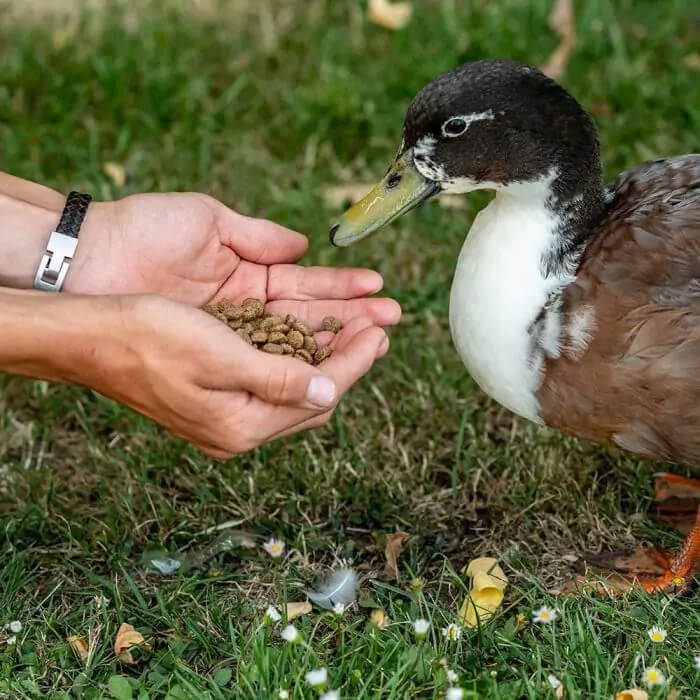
point(272, 333)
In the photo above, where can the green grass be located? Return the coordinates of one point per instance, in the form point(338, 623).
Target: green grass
point(263, 104)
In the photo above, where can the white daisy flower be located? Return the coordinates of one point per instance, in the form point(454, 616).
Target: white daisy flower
point(657, 634)
point(544, 614)
point(290, 634)
point(339, 608)
point(421, 627)
point(10, 640)
point(15, 626)
point(452, 632)
point(652, 676)
point(274, 547)
point(454, 694)
point(330, 695)
point(451, 675)
point(271, 614)
point(553, 681)
point(283, 694)
point(317, 678)
point(697, 661)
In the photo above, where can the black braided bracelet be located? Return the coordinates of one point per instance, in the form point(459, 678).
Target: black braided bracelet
point(73, 214)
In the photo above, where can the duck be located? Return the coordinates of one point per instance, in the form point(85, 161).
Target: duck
point(573, 304)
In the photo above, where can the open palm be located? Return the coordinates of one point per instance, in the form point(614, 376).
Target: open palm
point(193, 249)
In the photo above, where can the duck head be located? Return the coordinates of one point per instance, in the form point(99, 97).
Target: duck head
point(486, 125)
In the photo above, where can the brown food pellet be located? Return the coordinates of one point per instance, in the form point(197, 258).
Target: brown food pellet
point(302, 328)
point(323, 353)
point(330, 323)
point(272, 348)
point(295, 339)
point(304, 355)
point(252, 308)
point(277, 337)
point(259, 336)
point(310, 344)
point(229, 309)
point(270, 332)
point(270, 321)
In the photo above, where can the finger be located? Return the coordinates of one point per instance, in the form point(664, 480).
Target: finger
point(274, 379)
point(259, 240)
point(303, 283)
point(381, 311)
point(322, 418)
point(351, 361)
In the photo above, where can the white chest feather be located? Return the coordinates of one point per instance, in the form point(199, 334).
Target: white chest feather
point(497, 293)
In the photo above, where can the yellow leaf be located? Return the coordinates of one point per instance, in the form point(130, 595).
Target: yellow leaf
point(392, 552)
point(298, 609)
point(379, 618)
point(116, 173)
point(632, 694)
point(488, 586)
point(127, 638)
point(390, 15)
point(79, 645)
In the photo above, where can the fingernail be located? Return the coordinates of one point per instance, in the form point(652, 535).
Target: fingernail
point(383, 347)
point(321, 391)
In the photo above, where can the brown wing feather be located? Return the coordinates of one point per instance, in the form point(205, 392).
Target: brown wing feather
point(638, 383)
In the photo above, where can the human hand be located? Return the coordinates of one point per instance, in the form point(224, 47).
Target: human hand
point(193, 249)
point(198, 379)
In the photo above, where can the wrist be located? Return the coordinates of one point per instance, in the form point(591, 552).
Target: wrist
point(24, 232)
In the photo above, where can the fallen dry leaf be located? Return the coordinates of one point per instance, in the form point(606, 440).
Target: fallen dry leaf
point(115, 172)
point(559, 691)
point(379, 618)
point(79, 646)
point(298, 609)
point(562, 21)
point(341, 195)
point(390, 15)
point(392, 552)
point(127, 637)
point(632, 694)
point(488, 586)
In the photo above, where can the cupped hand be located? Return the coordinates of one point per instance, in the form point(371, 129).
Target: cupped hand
point(191, 248)
point(198, 379)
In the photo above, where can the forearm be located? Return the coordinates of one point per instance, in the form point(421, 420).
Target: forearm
point(61, 338)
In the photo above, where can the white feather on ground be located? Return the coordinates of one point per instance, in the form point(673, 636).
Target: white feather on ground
point(340, 587)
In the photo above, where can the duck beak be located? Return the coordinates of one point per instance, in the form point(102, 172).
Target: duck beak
point(401, 189)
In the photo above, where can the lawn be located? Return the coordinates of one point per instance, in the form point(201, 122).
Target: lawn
point(265, 104)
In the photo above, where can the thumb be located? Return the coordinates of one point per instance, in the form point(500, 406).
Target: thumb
point(286, 381)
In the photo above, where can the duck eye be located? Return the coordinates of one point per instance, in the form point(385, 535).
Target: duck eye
point(454, 127)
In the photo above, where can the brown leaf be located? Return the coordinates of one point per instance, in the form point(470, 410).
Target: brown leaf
point(562, 21)
point(298, 609)
point(342, 195)
point(392, 552)
point(79, 646)
point(390, 15)
point(127, 638)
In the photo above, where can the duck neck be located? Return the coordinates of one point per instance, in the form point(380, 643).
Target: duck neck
point(521, 251)
point(576, 204)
